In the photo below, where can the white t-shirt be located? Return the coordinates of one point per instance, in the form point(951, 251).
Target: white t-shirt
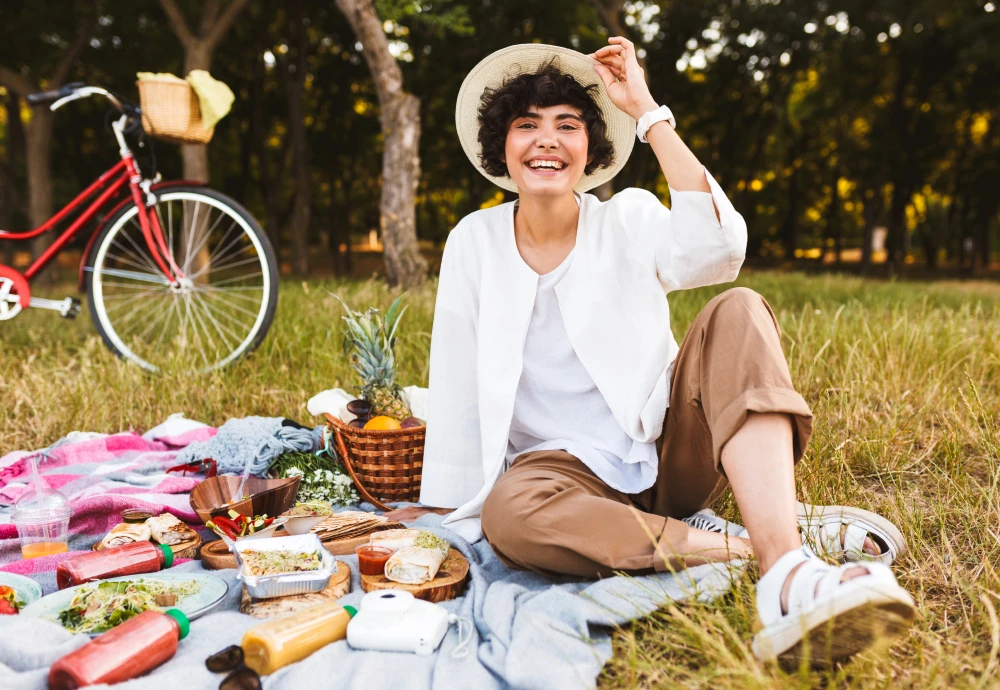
point(558, 405)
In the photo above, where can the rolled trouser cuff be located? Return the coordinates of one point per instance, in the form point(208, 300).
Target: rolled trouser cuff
point(763, 400)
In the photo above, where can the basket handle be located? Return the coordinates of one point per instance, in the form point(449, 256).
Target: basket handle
point(345, 457)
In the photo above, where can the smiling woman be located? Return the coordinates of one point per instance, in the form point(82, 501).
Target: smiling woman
point(565, 424)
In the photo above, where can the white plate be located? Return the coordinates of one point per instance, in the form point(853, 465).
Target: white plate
point(213, 591)
point(28, 591)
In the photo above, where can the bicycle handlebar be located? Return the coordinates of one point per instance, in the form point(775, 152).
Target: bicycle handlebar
point(77, 90)
point(44, 97)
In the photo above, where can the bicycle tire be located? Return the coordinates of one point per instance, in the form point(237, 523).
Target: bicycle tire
point(119, 224)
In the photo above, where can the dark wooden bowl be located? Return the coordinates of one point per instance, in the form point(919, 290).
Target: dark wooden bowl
point(267, 496)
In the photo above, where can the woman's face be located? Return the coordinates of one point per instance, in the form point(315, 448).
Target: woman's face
point(546, 150)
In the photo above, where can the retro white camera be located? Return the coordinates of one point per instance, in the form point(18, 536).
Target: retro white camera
point(391, 620)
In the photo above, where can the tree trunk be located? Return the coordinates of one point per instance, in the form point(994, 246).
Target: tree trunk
point(39, 146)
point(295, 74)
point(400, 119)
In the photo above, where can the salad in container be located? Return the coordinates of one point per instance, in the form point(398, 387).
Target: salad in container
point(283, 566)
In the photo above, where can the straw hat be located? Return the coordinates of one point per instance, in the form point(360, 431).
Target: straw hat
point(529, 57)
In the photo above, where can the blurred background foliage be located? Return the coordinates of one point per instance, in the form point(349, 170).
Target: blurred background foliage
point(828, 122)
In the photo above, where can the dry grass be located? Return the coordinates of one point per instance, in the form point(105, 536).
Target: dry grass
point(903, 379)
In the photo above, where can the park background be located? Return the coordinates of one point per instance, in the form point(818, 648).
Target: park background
point(824, 121)
point(829, 123)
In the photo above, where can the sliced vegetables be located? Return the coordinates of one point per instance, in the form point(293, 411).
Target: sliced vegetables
point(237, 525)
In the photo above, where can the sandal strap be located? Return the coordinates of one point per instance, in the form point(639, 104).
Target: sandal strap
point(814, 583)
point(824, 538)
point(770, 584)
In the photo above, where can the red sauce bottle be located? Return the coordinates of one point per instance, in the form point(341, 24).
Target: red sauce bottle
point(135, 647)
point(132, 559)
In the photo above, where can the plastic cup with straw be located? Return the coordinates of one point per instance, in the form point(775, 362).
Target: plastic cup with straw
point(41, 516)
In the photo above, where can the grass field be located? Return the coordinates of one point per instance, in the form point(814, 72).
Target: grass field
point(903, 379)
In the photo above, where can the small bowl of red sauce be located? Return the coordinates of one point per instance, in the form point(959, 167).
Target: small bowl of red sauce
point(371, 559)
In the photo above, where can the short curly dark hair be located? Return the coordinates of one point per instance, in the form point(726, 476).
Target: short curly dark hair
point(544, 88)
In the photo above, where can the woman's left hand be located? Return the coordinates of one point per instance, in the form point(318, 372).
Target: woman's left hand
point(624, 80)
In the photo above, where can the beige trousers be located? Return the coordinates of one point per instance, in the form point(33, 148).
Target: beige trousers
point(549, 513)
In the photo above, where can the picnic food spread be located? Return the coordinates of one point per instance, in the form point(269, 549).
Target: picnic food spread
point(133, 648)
point(131, 559)
point(134, 630)
point(102, 606)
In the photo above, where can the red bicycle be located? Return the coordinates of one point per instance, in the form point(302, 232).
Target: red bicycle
point(177, 275)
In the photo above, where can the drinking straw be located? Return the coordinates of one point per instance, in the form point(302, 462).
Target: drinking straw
point(246, 475)
point(37, 477)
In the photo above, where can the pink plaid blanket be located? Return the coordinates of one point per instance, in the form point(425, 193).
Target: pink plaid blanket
point(101, 478)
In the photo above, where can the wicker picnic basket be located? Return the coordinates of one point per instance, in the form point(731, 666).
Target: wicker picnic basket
point(170, 111)
point(384, 465)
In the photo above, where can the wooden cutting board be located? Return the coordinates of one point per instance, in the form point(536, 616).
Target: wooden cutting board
point(340, 584)
point(447, 584)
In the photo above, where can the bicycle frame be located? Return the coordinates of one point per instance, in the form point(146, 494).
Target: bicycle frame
point(126, 171)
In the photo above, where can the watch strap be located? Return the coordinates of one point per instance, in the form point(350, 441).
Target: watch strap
point(661, 114)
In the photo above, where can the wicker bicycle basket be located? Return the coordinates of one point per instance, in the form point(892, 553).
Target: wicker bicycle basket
point(170, 111)
point(384, 465)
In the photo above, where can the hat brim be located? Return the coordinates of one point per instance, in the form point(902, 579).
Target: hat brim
point(525, 58)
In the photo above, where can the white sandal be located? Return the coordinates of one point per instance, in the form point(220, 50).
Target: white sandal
point(822, 528)
point(827, 619)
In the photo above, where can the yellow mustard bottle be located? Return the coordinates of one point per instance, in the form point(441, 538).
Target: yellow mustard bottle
point(269, 646)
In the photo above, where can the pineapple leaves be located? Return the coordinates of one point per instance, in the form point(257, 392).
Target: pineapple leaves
point(369, 339)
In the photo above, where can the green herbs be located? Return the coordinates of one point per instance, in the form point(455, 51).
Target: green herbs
point(429, 540)
point(323, 479)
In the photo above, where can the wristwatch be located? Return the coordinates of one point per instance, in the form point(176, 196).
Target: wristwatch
point(652, 117)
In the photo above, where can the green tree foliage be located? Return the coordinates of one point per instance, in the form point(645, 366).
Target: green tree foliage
point(824, 120)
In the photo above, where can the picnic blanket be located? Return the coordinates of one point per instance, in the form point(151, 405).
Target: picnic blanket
point(530, 631)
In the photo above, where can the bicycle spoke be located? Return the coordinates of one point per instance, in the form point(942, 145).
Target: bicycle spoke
point(138, 263)
point(235, 306)
point(152, 264)
point(248, 298)
point(170, 312)
point(194, 329)
point(163, 313)
point(219, 328)
point(146, 277)
point(237, 278)
point(221, 312)
point(201, 244)
point(190, 239)
point(213, 255)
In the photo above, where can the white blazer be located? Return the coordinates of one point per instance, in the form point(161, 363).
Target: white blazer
point(630, 251)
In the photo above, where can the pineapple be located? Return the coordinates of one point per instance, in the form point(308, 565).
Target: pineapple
point(369, 339)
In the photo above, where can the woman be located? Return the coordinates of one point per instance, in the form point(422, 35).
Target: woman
point(565, 425)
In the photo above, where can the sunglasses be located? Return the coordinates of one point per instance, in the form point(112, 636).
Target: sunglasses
point(240, 677)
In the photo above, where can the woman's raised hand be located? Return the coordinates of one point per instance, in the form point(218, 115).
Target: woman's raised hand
point(623, 79)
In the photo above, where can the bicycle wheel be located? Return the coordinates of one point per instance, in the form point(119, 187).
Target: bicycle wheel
point(219, 311)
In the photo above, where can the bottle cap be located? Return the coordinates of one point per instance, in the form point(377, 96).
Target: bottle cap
point(182, 621)
point(168, 555)
point(351, 610)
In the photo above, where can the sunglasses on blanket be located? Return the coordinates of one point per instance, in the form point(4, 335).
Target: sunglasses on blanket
point(240, 676)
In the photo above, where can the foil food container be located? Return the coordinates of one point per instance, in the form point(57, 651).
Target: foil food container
point(285, 584)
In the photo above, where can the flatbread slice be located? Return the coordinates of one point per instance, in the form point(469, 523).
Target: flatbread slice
point(126, 533)
point(168, 529)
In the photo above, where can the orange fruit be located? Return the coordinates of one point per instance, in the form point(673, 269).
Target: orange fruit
point(382, 423)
